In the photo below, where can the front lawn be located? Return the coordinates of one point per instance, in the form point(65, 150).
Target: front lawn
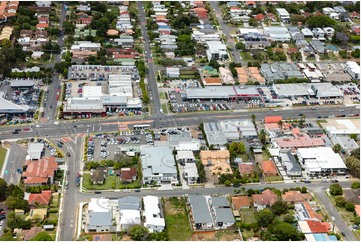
point(108, 183)
point(272, 178)
point(247, 234)
point(176, 219)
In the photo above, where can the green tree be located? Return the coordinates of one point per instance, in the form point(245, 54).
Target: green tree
point(289, 219)
point(320, 21)
point(3, 189)
point(264, 217)
point(350, 206)
point(214, 63)
point(240, 46)
point(356, 153)
point(138, 232)
point(336, 190)
point(337, 148)
point(355, 185)
point(279, 207)
point(285, 232)
point(6, 237)
point(304, 190)
point(262, 135)
point(42, 236)
point(340, 202)
point(227, 183)
point(353, 164)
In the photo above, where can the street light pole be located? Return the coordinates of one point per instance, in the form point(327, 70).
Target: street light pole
point(333, 225)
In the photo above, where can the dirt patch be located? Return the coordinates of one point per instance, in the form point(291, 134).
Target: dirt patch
point(194, 133)
point(227, 235)
point(163, 138)
point(208, 235)
point(171, 209)
point(258, 158)
point(126, 238)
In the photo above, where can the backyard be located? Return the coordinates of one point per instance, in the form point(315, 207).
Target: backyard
point(176, 218)
point(247, 216)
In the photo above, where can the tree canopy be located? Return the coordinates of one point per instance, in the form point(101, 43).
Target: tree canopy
point(42, 236)
point(320, 21)
point(284, 232)
point(336, 189)
point(139, 232)
point(264, 217)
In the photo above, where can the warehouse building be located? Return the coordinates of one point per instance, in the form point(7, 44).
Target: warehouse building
point(223, 93)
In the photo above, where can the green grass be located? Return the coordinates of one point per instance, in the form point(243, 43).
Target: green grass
point(272, 178)
point(265, 155)
point(176, 218)
point(133, 185)
point(108, 183)
point(347, 216)
point(165, 108)
point(247, 215)
point(162, 95)
point(247, 234)
point(53, 216)
point(2, 156)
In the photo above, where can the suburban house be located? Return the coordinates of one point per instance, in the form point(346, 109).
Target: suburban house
point(40, 172)
point(246, 168)
point(42, 198)
point(200, 213)
point(263, 200)
point(129, 210)
point(216, 160)
point(283, 15)
point(185, 156)
point(216, 50)
point(210, 212)
point(269, 168)
point(352, 195)
point(222, 212)
point(153, 215)
point(190, 173)
point(158, 165)
point(240, 202)
point(292, 197)
point(98, 176)
point(128, 174)
point(100, 216)
point(304, 211)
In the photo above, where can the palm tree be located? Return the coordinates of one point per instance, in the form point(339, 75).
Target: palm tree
point(262, 136)
point(337, 148)
point(280, 125)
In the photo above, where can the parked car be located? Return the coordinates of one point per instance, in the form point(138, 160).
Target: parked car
point(2, 216)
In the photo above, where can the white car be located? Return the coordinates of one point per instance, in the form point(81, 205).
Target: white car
point(126, 191)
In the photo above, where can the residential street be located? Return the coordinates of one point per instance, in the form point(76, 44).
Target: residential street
point(227, 31)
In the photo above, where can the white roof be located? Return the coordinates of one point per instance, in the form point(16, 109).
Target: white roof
point(306, 31)
point(185, 154)
point(152, 212)
point(282, 11)
point(92, 91)
point(353, 66)
point(99, 205)
point(191, 169)
point(130, 216)
point(34, 150)
point(321, 158)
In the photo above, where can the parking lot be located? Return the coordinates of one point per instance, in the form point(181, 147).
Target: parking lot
point(351, 93)
point(105, 146)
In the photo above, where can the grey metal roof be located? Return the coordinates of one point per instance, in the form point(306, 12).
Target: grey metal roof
point(130, 202)
point(158, 159)
point(200, 211)
point(290, 162)
point(224, 215)
point(10, 107)
point(214, 134)
point(220, 202)
point(100, 218)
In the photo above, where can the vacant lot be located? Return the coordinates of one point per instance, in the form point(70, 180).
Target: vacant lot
point(247, 216)
point(176, 219)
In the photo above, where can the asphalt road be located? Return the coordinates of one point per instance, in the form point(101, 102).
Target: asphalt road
point(70, 196)
point(65, 128)
point(16, 161)
point(152, 82)
point(50, 113)
point(227, 31)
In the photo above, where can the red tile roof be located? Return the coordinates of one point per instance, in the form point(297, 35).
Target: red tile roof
point(128, 173)
point(42, 198)
point(240, 202)
point(272, 119)
point(245, 168)
point(357, 209)
point(259, 17)
point(316, 226)
point(43, 25)
point(39, 171)
point(296, 197)
point(123, 56)
point(269, 168)
point(251, 2)
point(268, 197)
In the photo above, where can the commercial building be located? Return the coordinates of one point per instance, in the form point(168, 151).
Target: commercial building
point(345, 141)
point(223, 93)
point(321, 161)
point(158, 165)
point(216, 50)
point(35, 151)
point(173, 72)
point(40, 172)
point(299, 140)
point(214, 134)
